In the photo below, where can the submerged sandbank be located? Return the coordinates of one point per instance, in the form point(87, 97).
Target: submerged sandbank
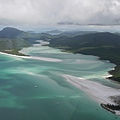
point(98, 92)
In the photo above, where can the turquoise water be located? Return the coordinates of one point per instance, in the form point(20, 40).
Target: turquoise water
point(33, 89)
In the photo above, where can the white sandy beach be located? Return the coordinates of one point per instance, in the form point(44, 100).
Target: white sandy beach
point(34, 57)
point(96, 91)
point(46, 59)
point(14, 55)
point(107, 76)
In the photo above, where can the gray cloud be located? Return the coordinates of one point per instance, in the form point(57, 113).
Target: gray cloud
point(37, 12)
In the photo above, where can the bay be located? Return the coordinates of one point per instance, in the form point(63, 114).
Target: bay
point(34, 89)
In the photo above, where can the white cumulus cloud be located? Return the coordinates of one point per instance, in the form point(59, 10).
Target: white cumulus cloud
point(37, 12)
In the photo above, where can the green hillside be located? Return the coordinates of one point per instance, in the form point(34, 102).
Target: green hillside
point(9, 32)
point(10, 41)
point(7, 44)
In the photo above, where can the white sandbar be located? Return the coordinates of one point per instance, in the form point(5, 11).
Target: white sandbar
point(98, 92)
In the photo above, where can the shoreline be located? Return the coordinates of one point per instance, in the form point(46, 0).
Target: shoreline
point(102, 100)
point(100, 93)
point(34, 57)
point(108, 76)
point(108, 109)
point(114, 72)
point(13, 55)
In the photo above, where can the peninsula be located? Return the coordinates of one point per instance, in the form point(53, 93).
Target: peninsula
point(104, 45)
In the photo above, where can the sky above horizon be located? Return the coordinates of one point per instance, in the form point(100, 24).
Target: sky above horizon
point(47, 12)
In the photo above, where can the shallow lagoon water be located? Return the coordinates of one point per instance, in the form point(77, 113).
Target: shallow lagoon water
point(33, 89)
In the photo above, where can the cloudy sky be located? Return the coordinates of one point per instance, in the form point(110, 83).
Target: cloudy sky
point(38, 12)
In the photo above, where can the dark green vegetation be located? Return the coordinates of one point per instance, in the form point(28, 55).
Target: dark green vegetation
point(10, 32)
point(9, 39)
point(110, 107)
point(105, 45)
point(15, 43)
point(113, 107)
point(12, 40)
